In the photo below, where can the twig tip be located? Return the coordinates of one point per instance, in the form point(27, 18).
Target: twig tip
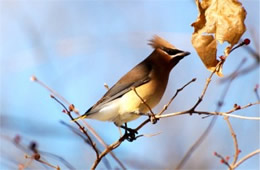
point(71, 107)
point(246, 41)
point(256, 87)
point(33, 78)
point(106, 86)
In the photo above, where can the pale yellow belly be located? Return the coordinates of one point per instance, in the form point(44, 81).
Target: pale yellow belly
point(150, 93)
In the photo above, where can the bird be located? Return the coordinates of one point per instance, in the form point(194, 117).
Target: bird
point(142, 86)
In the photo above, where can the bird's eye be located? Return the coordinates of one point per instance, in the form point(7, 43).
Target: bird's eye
point(171, 51)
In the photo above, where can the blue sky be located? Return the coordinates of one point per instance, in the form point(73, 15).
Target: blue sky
point(77, 46)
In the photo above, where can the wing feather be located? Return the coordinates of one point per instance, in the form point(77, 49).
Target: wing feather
point(136, 77)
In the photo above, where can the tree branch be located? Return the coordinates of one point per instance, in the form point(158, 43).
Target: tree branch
point(234, 137)
point(214, 113)
point(246, 157)
point(94, 133)
point(80, 127)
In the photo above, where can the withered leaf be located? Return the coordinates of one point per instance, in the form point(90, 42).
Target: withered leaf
point(218, 21)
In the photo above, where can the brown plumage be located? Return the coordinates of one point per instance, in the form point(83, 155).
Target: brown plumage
point(158, 42)
point(121, 104)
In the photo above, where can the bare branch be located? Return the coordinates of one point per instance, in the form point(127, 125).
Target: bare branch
point(206, 86)
point(48, 164)
point(223, 160)
point(234, 137)
point(36, 155)
point(214, 113)
point(241, 72)
point(196, 144)
point(80, 127)
point(166, 106)
point(246, 157)
point(35, 79)
point(94, 133)
point(107, 150)
point(173, 97)
point(256, 92)
point(117, 143)
point(211, 124)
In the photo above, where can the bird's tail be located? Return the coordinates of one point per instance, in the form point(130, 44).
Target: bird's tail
point(80, 117)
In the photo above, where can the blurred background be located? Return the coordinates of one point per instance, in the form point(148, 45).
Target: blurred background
point(77, 46)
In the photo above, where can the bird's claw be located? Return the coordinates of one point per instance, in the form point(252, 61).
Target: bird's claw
point(130, 135)
point(153, 119)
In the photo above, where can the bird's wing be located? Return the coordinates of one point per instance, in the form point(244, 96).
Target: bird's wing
point(136, 77)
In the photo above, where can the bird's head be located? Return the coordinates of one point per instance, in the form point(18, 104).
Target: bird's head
point(166, 52)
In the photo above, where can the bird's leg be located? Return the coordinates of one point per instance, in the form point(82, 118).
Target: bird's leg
point(130, 134)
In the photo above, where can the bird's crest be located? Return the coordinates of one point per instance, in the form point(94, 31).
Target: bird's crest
point(158, 42)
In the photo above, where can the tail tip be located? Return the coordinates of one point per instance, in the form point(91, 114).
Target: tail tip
point(78, 118)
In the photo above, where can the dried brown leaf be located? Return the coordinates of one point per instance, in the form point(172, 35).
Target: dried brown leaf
point(218, 21)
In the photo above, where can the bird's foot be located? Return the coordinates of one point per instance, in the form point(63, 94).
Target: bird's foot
point(130, 134)
point(153, 118)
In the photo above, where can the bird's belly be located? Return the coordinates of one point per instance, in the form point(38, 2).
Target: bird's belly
point(131, 103)
point(129, 107)
point(108, 112)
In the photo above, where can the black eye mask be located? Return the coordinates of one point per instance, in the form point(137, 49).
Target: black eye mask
point(171, 51)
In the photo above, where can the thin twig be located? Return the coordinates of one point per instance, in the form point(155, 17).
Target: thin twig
point(246, 157)
point(234, 137)
point(214, 113)
point(36, 157)
point(66, 163)
point(48, 164)
point(26, 150)
point(107, 150)
point(174, 96)
point(208, 129)
point(256, 92)
point(241, 72)
point(196, 144)
point(35, 79)
point(80, 127)
point(208, 113)
point(206, 86)
point(28, 163)
point(94, 133)
point(212, 122)
point(167, 105)
point(118, 142)
point(253, 53)
point(233, 134)
point(223, 160)
point(80, 134)
point(76, 131)
point(237, 116)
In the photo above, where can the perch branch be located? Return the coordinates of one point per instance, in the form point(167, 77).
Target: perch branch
point(94, 133)
point(80, 127)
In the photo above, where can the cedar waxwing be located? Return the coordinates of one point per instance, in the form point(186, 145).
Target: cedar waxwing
point(120, 104)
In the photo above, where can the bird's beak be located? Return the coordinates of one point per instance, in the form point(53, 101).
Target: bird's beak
point(185, 53)
point(181, 54)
